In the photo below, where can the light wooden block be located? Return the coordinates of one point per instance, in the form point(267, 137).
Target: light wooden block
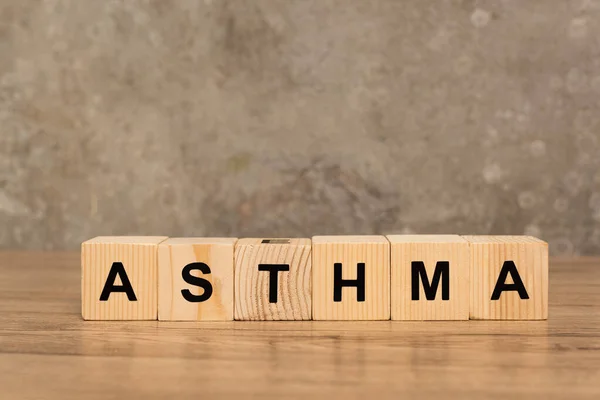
point(370, 254)
point(254, 285)
point(529, 256)
point(443, 294)
point(195, 279)
point(132, 258)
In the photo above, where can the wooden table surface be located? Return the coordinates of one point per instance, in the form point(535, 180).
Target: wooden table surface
point(48, 352)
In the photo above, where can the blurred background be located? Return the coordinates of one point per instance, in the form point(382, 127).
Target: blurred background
point(293, 118)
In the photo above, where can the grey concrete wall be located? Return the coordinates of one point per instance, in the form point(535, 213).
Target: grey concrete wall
point(293, 118)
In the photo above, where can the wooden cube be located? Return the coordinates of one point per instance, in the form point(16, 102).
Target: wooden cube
point(273, 279)
point(351, 278)
point(119, 278)
point(509, 277)
point(195, 279)
point(430, 277)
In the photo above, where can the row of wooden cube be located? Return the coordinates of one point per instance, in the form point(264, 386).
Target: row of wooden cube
point(402, 277)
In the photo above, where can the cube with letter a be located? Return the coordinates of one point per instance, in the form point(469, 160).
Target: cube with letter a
point(509, 277)
point(119, 278)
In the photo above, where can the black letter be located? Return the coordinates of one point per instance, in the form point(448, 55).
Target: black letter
point(502, 286)
point(273, 270)
point(117, 268)
point(339, 283)
point(186, 273)
point(442, 269)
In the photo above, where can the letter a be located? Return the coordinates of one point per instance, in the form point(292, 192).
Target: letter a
point(509, 267)
point(117, 268)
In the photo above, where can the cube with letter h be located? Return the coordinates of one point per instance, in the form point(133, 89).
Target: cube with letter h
point(351, 278)
point(119, 278)
point(509, 277)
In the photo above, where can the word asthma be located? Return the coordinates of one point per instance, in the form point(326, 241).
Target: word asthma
point(398, 277)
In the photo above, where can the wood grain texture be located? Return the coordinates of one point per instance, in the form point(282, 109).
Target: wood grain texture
point(488, 254)
point(252, 286)
point(173, 255)
point(139, 258)
point(374, 252)
point(48, 352)
point(429, 249)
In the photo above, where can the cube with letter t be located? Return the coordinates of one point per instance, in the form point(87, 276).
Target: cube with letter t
point(119, 278)
point(272, 279)
point(351, 278)
point(509, 277)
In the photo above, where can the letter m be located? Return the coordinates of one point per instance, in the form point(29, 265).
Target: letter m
point(442, 272)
